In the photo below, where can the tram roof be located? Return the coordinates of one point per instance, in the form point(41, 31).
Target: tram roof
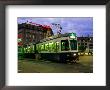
point(55, 37)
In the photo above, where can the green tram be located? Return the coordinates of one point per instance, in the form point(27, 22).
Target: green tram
point(63, 48)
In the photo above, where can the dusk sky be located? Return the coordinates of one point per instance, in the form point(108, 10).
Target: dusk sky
point(79, 25)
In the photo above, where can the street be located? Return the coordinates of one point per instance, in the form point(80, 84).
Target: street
point(84, 65)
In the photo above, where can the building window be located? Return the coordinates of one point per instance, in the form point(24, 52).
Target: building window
point(82, 43)
point(47, 47)
point(78, 43)
point(82, 40)
point(85, 43)
point(85, 40)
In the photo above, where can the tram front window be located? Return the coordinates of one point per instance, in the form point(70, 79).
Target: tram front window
point(73, 44)
point(64, 45)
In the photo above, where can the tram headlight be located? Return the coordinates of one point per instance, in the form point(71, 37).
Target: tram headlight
point(74, 54)
point(86, 53)
point(78, 53)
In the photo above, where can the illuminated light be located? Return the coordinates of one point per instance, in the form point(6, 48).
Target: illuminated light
point(28, 50)
point(50, 43)
point(57, 42)
point(78, 53)
point(50, 37)
point(46, 44)
point(74, 54)
point(72, 35)
point(82, 53)
point(89, 53)
point(86, 53)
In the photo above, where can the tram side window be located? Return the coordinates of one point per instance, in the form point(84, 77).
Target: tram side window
point(33, 48)
point(53, 46)
point(46, 47)
point(57, 45)
point(36, 47)
point(39, 48)
point(42, 47)
point(50, 46)
point(73, 44)
point(30, 49)
point(20, 50)
point(25, 50)
point(64, 45)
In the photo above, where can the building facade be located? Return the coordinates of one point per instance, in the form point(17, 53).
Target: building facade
point(30, 34)
point(86, 43)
